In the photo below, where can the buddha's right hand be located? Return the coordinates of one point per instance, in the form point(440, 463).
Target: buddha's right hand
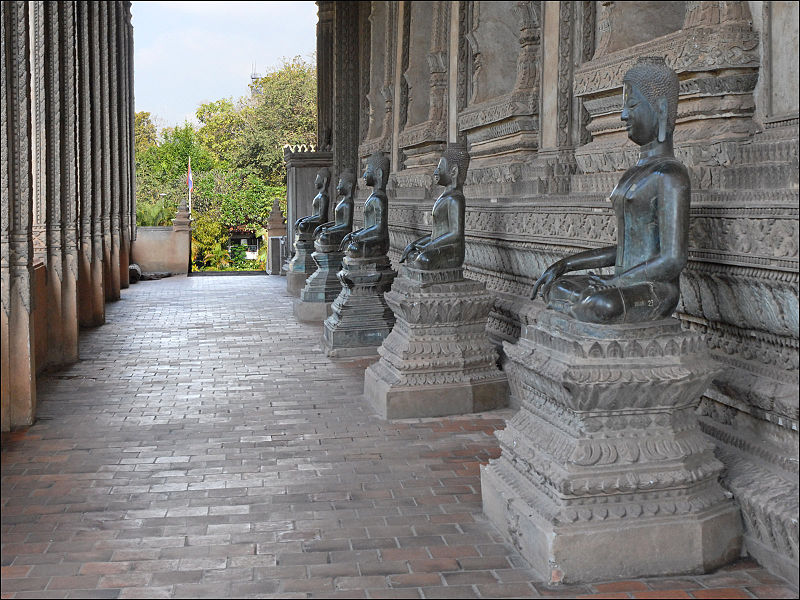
point(544, 282)
point(406, 252)
point(345, 241)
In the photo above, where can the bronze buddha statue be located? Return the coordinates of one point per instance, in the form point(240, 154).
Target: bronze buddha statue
point(333, 232)
point(372, 240)
point(444, 247)
point(651, 203)
point(319, 206)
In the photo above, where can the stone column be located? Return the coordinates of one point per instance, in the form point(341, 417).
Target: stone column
point(115, 143)
point(110, 259)
point(52, 175)
point(131, 114)
point(95, 167)
point(36, 32)
point(325, 75)
point(346, 86)
point(124, 147)
point(69, 175)
point(17, 368)
point(90, 311)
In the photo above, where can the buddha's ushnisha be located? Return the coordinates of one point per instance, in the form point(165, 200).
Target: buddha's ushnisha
point(651, 203)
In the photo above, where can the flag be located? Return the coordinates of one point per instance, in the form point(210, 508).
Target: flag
point(189, 180)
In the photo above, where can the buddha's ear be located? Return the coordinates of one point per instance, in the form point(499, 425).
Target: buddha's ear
point(662, 119)
point(453, 173)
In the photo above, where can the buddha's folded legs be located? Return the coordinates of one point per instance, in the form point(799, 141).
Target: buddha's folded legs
point(582, 297)
point(446, 256)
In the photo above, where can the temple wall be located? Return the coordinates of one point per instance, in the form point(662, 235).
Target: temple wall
point(534, 89)
point(162, 250)
point(68, 207)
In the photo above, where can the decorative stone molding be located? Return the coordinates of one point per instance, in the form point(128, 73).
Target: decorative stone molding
point(424, 140)
point(361, 319)
point(438, 359)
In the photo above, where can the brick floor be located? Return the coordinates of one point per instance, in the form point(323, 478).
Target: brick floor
point(205, 447)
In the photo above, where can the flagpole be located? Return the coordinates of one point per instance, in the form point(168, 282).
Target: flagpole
point(190, 188)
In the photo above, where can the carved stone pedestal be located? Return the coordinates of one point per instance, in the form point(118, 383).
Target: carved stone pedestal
point(322, 287)
point(361, 319)
point(604, 472)
point(302, 264)
point(438, 360)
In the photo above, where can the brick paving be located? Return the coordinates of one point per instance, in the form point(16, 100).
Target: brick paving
point(205, 447)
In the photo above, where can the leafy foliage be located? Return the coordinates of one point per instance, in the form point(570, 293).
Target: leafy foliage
point(237, 161)
point(145, 132)
point(158, 212)
point(283, 111)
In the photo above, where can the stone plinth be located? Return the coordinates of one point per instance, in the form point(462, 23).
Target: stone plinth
point(302, 264)
point(438, 360)
point(361, 319)
point(322, 287)
point(604, 472)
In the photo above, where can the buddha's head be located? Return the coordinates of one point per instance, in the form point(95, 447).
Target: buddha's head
point(650, 100)
point(452, 167)
point(322, 179)
point(347, 183)
point(377, 172)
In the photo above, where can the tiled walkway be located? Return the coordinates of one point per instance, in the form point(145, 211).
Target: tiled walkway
point(205, 447)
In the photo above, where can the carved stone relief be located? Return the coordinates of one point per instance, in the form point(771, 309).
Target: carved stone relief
point(621, 25)
point(494, 45)
point(740, 287)
point(380, 96)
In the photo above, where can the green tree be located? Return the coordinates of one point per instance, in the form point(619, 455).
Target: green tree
point(223, 124)
point(145, 133)
point(283, 110)
point(161, 169)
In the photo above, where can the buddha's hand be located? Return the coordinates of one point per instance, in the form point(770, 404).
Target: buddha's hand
point(412, 246)
point(544, 282)
point(319, 230)
point(345, 241)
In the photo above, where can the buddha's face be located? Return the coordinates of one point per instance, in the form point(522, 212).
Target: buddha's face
point(343, 187)
point(369, 176)
point(441, 176)
point(639, 115)
point(319, 181)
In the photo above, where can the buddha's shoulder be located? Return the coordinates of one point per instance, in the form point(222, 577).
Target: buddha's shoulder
point(670, 167)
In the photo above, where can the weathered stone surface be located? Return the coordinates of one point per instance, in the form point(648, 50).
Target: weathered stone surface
point(438, 360)
point(323, 285)
point(302, 264)
point(604, 470)
point(311, 312)
point(361, 319)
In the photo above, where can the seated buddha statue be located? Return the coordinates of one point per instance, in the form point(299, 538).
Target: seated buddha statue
point(651, 204)
point(319, 206)
point(372, 240)
point(333, 232)
point(444, 247)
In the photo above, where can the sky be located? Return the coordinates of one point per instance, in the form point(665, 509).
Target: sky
point(187, 53)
